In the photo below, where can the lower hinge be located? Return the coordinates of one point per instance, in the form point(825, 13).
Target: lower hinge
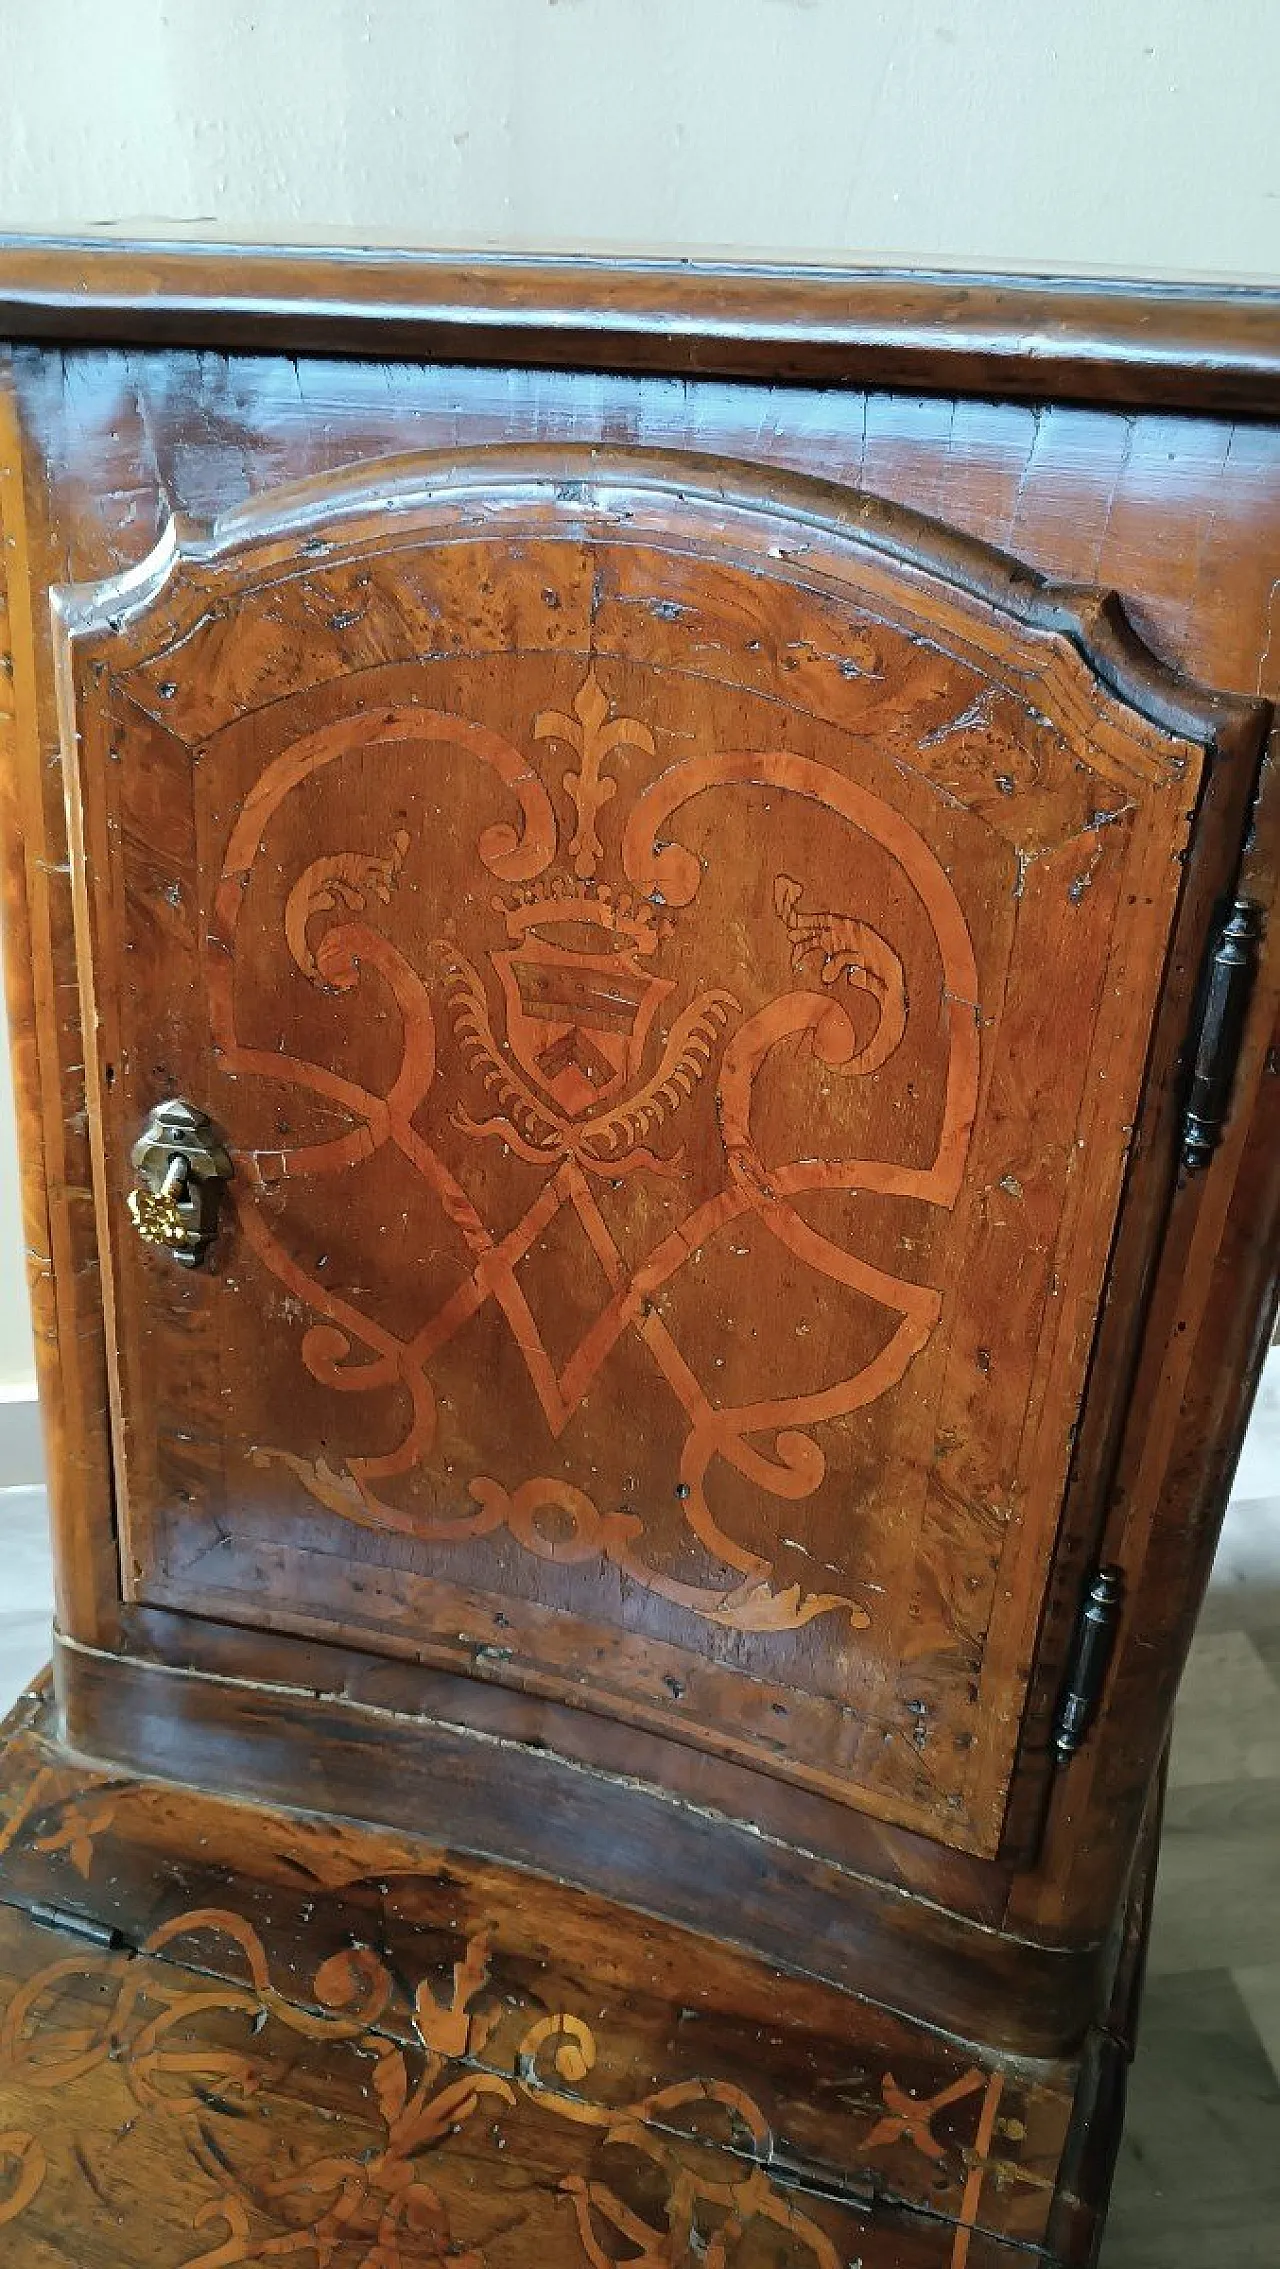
point(817, 2178)
point(1219, 1030)
point(1091, 1649)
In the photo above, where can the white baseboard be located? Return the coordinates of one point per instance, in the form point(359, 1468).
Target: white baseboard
point(21, 1448)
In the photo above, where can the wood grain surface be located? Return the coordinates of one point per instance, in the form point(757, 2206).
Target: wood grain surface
point(256, 1662)
point(274, 2036)
point(1166, 346)
point(706, 1198)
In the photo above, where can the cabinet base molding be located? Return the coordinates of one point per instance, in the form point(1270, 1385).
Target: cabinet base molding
point(583, 1825)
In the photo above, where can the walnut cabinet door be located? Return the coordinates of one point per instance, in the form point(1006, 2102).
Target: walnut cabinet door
point(672, 959)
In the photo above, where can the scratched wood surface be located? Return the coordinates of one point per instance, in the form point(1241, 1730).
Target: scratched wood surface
point(657, 974)
point(1181, 514)
point(1087, 339)
point(281, 2036)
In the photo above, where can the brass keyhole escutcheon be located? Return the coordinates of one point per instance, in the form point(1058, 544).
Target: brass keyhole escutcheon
point(181, 1166)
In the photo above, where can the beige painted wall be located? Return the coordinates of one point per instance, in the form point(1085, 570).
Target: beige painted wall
point(1135, 134)
point(1132, 135)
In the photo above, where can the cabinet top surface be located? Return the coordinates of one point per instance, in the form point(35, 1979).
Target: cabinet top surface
point(1196, 346)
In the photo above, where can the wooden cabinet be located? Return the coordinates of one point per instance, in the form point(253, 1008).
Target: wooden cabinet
point(674, 963)
point(643, 1015)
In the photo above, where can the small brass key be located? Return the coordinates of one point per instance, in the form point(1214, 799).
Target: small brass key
point(181, 1167)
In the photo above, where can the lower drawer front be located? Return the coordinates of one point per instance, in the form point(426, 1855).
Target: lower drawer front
point(230, 2034)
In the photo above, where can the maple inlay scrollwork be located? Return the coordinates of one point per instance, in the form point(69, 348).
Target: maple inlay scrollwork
point(699, 2151)
point(24, 2153)
point(382, 2202)
point(345, 880)
point(843, 947)
point(563, 1001)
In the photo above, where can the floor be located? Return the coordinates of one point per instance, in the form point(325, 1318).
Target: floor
point(1199, 2175)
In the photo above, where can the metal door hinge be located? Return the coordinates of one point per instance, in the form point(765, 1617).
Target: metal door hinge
point(1219, 1030)
point(817, 2178)
point(77, 1925)
point(1091, 1645)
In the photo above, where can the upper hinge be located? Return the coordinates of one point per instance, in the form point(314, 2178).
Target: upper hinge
point(1219, 1030)
point(1091, 1648)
